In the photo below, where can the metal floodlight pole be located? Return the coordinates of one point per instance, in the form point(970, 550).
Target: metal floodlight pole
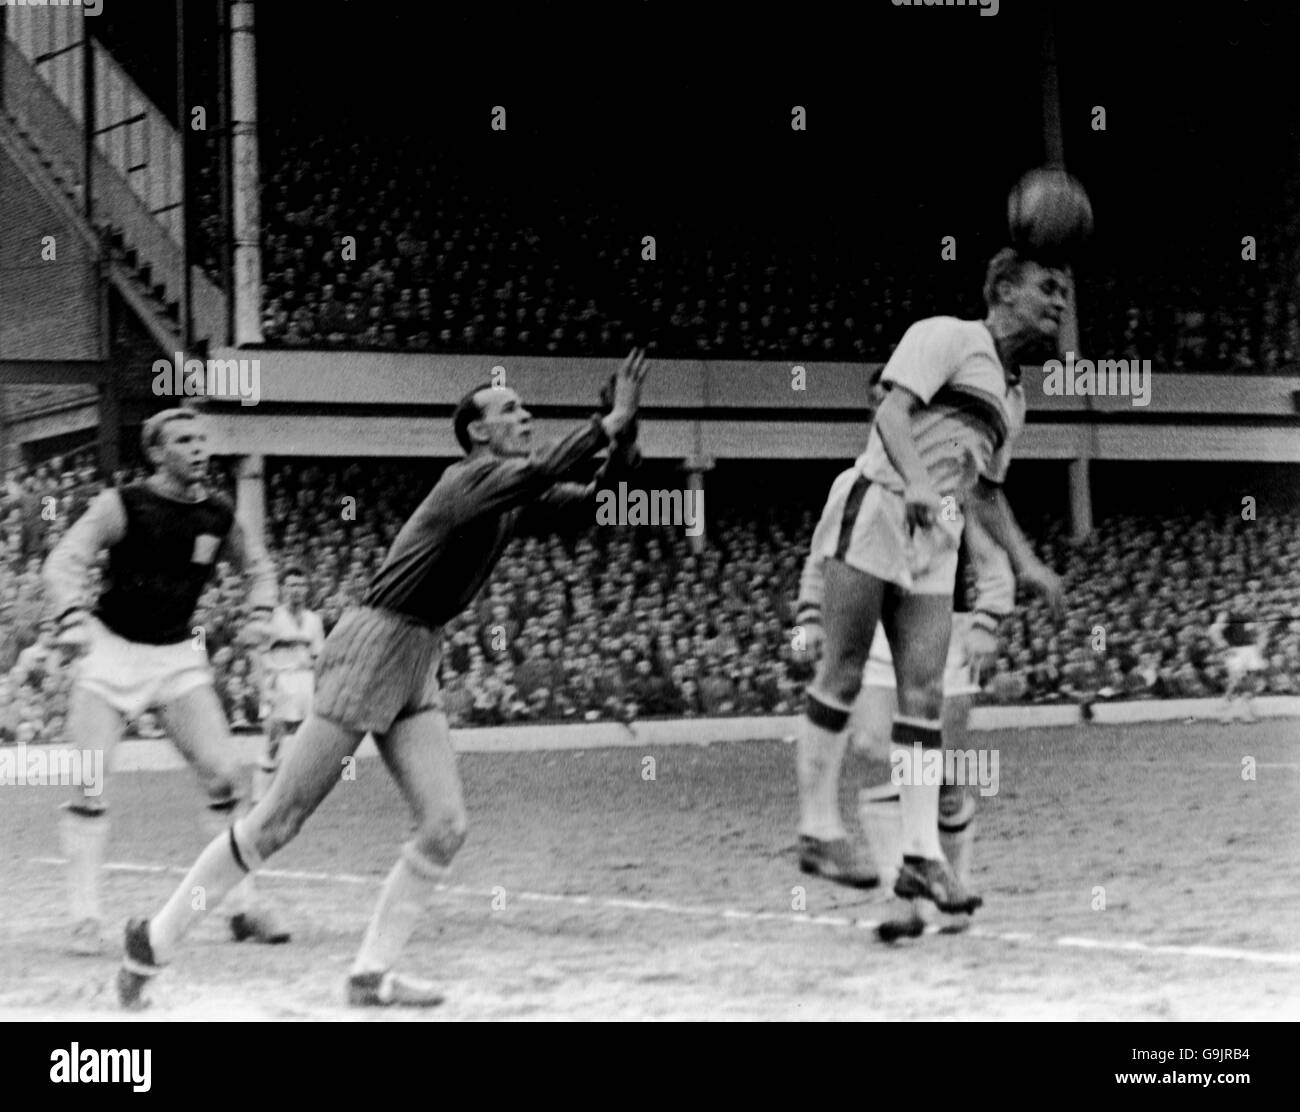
point(187, 294)
point(1080, 480)
point(245, 186)
point(223, 166)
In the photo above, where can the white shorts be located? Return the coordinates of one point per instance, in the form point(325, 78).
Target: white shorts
point(863, 525)
point(133, 677)
point(1242, 659)
point(958, 678)
point(289, 694)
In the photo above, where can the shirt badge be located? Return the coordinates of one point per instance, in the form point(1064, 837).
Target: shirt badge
point(205, 548)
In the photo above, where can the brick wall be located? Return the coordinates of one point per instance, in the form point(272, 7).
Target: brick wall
point(48, 309)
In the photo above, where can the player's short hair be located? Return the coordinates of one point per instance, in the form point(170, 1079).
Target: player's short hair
point(467, 412)
point(1006, 266)
point(152, 430)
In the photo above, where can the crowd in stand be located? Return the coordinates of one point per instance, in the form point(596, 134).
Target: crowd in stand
point(616, 623)
point(444, 265)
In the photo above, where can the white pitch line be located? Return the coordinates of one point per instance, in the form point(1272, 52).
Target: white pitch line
point(1226, 952)
point(1289, 766)
point(620, 903)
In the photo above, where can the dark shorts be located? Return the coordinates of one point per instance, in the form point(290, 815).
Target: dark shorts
point(377, 668)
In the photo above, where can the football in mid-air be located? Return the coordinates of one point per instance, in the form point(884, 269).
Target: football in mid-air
point(1049, 213)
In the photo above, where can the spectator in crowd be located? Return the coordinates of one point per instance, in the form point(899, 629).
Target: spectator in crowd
point(464, 272)
point(631, 622)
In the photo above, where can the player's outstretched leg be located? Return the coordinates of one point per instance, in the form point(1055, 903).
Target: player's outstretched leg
point(879, 813)
point(197, 726)
point(878, 807)
point(83, 827)
point(850, 609)
point(310, 770)
point(419, 754)
point(919, 627)
point(957, 805)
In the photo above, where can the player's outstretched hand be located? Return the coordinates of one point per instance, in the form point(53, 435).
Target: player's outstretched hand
point(1043, 581)
point(627, 382)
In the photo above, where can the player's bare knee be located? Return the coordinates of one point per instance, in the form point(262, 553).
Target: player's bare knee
point(439, 839)
point(220, 782)
point(222, 792)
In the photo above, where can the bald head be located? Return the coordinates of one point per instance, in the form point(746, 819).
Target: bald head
point(494, 417)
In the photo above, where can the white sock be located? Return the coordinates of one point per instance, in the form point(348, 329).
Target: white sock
point(405, 896)
point(920, 825)
point(880, 816)
point(83, 837)
point(820, 753)
point(216, 822)
point(919, 800)
point(210, 879)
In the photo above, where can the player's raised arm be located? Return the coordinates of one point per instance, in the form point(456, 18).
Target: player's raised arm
point(995, 594)
point(627, 393)
point(502, 472)
point(624, 455)
point(67, 568)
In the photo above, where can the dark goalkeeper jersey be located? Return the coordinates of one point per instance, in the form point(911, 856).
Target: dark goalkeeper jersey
point(450, 544)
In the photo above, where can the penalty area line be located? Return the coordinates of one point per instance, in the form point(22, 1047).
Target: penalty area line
point(729, 914)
